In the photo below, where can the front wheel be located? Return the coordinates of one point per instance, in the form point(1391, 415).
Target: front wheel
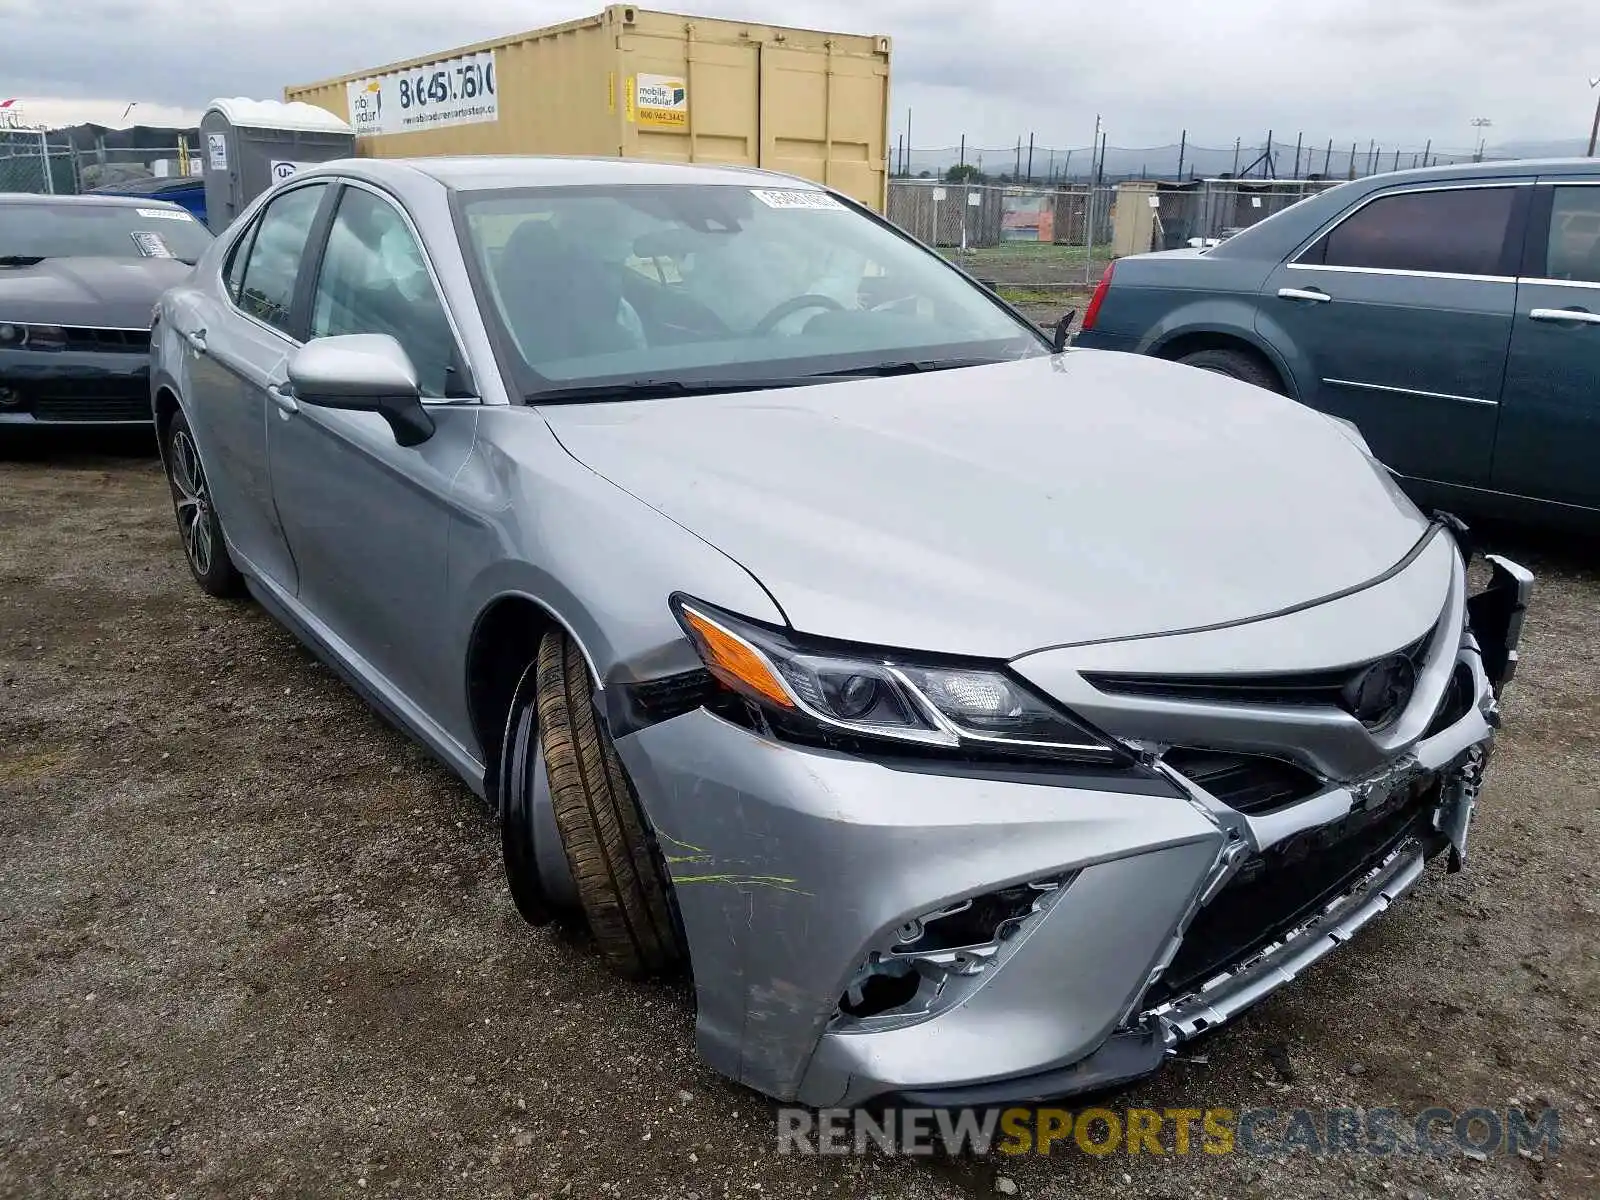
point(198, 526)
point(613, 865)
point(1236, 364)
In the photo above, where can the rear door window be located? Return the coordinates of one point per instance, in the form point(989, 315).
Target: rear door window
point(1574, 248)
point(1459, 231)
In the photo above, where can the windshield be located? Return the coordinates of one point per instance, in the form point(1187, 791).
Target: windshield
point(39, 229)
point(696, 282)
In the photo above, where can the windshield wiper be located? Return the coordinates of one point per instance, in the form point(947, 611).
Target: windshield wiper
point(655, 389)
point(908, 367)
point(20, 260)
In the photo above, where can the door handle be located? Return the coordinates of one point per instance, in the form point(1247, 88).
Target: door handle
point(283, 396)
point(1576, 315)
point(1312, 294)
point(196, 339)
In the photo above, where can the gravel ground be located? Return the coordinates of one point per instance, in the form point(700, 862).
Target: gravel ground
point(255, 943)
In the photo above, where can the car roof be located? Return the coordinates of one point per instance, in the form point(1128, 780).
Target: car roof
point(89, 201)
point(492, 172)
point(1492, 169)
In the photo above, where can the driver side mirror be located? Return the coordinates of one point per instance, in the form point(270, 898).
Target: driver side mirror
point(363, 372)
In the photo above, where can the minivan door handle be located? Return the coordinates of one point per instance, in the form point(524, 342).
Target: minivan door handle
point(1576, 315)
point(1315, 295)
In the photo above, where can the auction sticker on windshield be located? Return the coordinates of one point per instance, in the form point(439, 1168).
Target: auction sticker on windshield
point(164, 214)
point(151, 245)
point(795, 199)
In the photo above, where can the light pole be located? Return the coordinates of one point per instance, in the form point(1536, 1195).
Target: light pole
point(1480, 124)
point(1594, 130)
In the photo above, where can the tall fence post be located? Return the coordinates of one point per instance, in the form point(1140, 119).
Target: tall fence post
point(44, 161)
point(1183, 144)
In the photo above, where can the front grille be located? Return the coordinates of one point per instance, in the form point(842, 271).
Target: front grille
point(1250, 783)
point(1281, 889)
point(90, 399)
point(1324, 689)
point(109, 341)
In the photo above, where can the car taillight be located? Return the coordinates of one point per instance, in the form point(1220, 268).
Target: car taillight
point(1098, 298)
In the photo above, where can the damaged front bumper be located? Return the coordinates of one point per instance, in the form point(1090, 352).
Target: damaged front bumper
point(860, 928)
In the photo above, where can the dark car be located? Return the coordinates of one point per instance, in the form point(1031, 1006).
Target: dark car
point(1453, 314)
point(79, 280)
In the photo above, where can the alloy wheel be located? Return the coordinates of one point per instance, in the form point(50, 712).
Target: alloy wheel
point(192, 501)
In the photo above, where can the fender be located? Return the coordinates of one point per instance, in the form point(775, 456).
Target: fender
point(1239, 318)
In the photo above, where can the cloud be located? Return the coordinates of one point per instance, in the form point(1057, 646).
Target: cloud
point(1400, 73)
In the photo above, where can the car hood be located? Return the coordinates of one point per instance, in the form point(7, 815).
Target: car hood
point(106, 293)
point(996, 510)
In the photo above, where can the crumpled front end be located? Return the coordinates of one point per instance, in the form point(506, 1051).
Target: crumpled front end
point(955, 933)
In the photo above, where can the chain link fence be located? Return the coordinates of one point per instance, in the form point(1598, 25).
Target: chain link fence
point(31, 161)
point(975, 216)
point(1195, 213)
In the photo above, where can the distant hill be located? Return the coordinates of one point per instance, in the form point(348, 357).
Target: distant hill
point(1570, 148)
point(1163, 161)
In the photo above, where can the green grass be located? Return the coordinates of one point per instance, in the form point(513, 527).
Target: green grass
point(1044, 254)
point(1034, 295)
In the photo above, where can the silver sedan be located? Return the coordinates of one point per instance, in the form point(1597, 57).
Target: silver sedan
point(978, 721)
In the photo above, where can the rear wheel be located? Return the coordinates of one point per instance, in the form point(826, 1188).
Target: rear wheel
point(1236, 364)
point(198, 525)
point(613, 867)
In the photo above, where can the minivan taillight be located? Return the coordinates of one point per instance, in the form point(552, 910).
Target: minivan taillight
point(1098, 298)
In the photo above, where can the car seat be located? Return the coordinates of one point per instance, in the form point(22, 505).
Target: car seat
point(560, 300)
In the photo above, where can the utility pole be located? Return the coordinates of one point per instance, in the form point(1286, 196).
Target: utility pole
point(1030, 157)
point(1427, 152)
point(1299, 140)
point(908, 141)
point(1236, 145)
point(1183, 144)
point(1088, 207)
point(1594, 130)
point(1353, 146)
point(963, 149)
point(1327, 163)
point(1480, 124)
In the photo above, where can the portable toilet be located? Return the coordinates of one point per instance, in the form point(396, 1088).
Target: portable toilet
point(249, 145)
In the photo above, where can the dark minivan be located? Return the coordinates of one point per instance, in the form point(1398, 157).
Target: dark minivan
point(1453, 314)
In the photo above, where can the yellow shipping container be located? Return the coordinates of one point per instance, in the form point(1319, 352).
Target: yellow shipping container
point(635, 83)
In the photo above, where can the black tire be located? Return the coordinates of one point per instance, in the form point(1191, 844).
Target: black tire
point(1236, 364)
point(199, 529)
point(518, 747)
point(616, 867)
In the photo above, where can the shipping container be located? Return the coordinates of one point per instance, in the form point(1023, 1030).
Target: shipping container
point(635, 83)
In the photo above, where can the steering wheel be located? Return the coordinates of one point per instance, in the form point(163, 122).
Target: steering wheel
point(793, 305)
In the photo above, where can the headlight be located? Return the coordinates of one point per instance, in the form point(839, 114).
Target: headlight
point(32, 337)
point(885, 696)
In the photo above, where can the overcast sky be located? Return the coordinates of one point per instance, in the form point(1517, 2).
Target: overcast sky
point(1399, 71)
